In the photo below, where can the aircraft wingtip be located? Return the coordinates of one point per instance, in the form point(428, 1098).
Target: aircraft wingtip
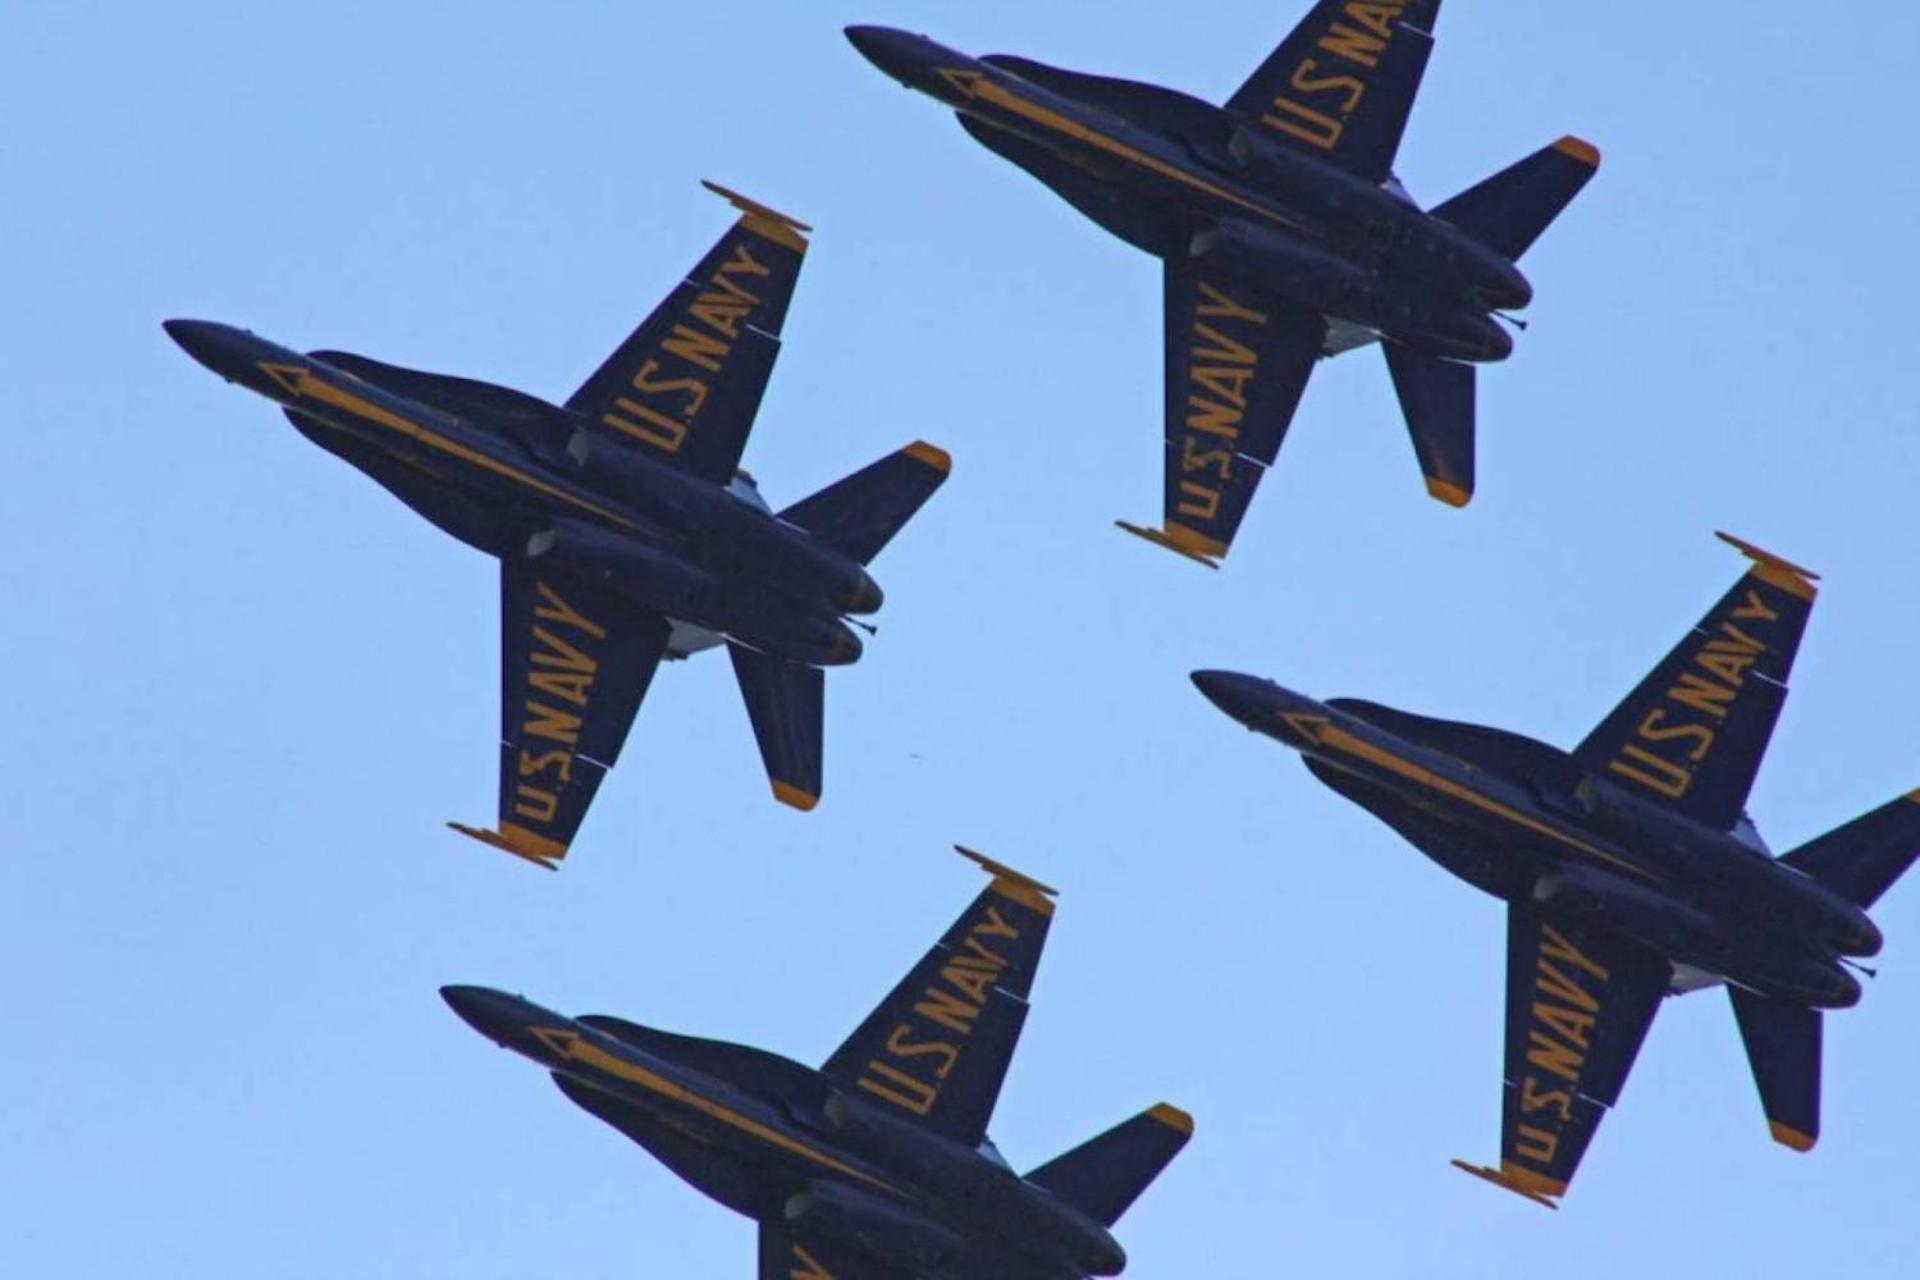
point(779, 227)
point(518, 841)
point(795, 797)
point(1448, 492)
point(1180, 540)
point(1017, 885)
point(1579, 149)
point(1788, 1136)
point(1778, 570)
point(1522, 1182)
point(931, 455)
point(1172, 1117)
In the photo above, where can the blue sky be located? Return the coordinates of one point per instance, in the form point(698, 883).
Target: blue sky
point(249, 686)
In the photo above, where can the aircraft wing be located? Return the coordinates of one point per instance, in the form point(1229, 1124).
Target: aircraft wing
point(686, 384)
point(787, 1253)
point(1342, 83)
point(1236, 363)
point(576, 662)
point(1579, 1003)
point(936, 1049)
point(1692, 734)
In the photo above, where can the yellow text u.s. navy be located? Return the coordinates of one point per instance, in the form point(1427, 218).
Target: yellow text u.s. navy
point(625, 529)
point(1630, 867)
point(876, 1166)
point(1284, 235)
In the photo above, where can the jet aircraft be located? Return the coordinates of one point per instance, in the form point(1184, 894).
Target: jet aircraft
point(1629, 865)
point(625, 529)
point(877, 1166)
point(1284, 235)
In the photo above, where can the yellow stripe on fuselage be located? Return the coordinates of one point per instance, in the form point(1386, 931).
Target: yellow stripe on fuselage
point(303, 384)
point(579, 1049)
point(1341, 740)
point(987, 91)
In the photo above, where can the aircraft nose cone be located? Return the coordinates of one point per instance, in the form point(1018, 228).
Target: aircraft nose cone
point(888, 48)
point(208, 342)
point(494, 1014)
point(1237, 695)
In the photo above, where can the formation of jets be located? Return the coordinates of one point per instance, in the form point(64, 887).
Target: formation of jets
point(627, 533)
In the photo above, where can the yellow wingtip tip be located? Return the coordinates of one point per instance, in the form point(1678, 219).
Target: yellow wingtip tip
point(748, 205)
point(1579, 149)
point(931, 455)
point(1172, 1117)
point(519, 842)
point(1788, 1136)
point(1015, 885)
point(1778, 570)
point(794, 797)
point(1180, 540)
point(1524, 1183)
point(1448, 492)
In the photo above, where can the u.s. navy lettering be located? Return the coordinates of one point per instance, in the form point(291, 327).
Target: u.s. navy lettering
point(1326, 92)
point(921, 1053)
point(668, 390)
point(1675, 736)
point(1219, 369)
point(561, 669)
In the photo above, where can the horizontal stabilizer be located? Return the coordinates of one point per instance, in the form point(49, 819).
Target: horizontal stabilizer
point(785, 701)
point(1436, 397)
point(1508, 211)
point(1103, 1176)
point(860, 514)
point(1861, 859)
point(1783, 1048)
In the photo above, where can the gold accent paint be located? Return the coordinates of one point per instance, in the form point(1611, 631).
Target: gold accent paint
point(1175, 544)
point(575, 1048)
point(1788, 1136)
point(987, 91)
point(1579, 149)
point(519, 842)
point(1171, 1116)
point(1770, 568)
point(303, 385)
point(1448, 492)
point(787, 793)
point(1011, 884)
point(1522, 1182)
point(1340, 740)
point(931, 455)
point(762, 220)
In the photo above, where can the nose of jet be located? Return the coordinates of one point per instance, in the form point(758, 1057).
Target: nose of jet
point(494, 1014)
point(901, 54)
point(214, 345)
point(1243, 697)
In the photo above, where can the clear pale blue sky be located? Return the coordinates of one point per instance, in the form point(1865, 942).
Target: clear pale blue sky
point(248, 686)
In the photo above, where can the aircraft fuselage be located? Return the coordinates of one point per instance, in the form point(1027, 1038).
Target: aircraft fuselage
point(512, 475)
point(1553, 834)
point(1303, 229)
point(778, 1141)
